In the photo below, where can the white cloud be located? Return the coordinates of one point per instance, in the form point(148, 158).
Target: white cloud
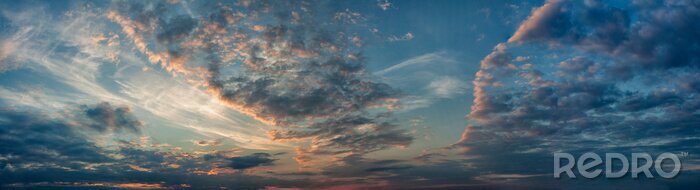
point(426, 78)
point(384, 4)
point(414, 102)
point(405, 37)
point(447, 87)
point(430, 58)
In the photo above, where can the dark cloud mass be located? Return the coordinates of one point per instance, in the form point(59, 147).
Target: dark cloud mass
point(648, 34)
point(104, 117)
point(56, 154)
point(249, 161)
point(523, 112)
point(34, 141)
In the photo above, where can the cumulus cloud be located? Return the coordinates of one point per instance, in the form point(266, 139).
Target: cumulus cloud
point(526, 113)
point(551, 20)
point(659, 38)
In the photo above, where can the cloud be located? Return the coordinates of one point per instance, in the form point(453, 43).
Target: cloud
point(6, 49)
point(112, 69)
point(447, 87)
point(108, 118)
point(406, 37)
point(577, 101)
point(250, 161)
point(207, 142)
point(350, 17)
point(504, 177)
point(39, 141)
point(291, 72)
point(657, 39)
point(118, 50)
point(178, 27)
point(349, 134)
point(426, 79)
point(551, 20)
point(53, 150)
point(384, 4)
point(264, 74)
point(408, 103)
point(426, 59)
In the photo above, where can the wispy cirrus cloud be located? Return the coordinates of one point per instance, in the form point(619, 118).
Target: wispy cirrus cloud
point(425, 79)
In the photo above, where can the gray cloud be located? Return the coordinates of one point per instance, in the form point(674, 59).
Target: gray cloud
point(349, 134)
point(176, 28)
point(33, 141)
point(215, 142)
point(661, 36)
point(250, 161)
point(49, 152)
point(105, 117)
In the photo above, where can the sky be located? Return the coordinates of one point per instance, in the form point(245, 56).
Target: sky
point(387, 94)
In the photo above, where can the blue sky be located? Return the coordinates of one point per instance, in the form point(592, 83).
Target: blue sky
point(342, 94)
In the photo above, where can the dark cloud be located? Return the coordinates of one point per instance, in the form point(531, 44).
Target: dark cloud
point(33, 140)
point(269, 87)
point(37, 141)
point(657, 98)
point(552, 20)
point(105, 117)
point(176, 28)
point(402, 174)
point(250, 161)
point(215, 142)
point(387, 168)
point(357, 166)
point(42, 151)
point(661, 36)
